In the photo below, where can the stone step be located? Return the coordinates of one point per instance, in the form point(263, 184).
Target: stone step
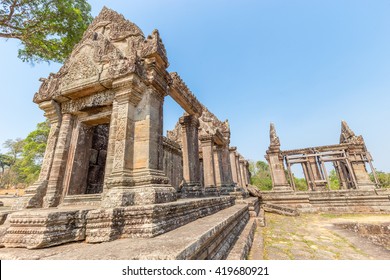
point(244, 242)
point(257, 249)
point(210, 237)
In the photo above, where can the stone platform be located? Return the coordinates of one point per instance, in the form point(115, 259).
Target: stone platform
point(210, 237)
point(54, 226)
point(341, 201)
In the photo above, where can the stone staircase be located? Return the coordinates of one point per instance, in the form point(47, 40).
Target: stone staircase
point(225, 234)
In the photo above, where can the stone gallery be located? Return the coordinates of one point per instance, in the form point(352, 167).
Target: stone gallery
point(109, 173)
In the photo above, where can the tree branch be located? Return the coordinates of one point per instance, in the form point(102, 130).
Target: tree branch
point(11, 36)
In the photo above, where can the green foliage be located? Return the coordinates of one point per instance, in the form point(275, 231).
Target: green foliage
point(300, 184)
point(48, 29)
point(22, 162)
point(260, 175)
point(334, 180)
point(34, 147)
point(383, 178)
point(9, 175)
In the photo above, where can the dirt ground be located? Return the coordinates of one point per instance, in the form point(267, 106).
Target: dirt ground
point(314, 237)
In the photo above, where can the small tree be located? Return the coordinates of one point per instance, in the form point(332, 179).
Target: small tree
point(32, 154)
point(260, 175)
point(48, 29)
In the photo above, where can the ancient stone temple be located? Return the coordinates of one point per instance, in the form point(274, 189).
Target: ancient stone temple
point(351, 161)
point(108, 172)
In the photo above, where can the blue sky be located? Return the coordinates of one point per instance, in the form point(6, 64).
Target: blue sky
point(304, 65)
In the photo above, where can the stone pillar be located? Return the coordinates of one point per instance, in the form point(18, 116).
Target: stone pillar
point(233, 164)
point(136, 176)
point(363, 181)
point(275, 160)
point(191, 170)
point(207, 143)
point(55, 183)
point(34, 194)
point(218, 166)
point(247, 173)
point(243, 173)
point(355, 159)
point(239, 176)
point(319, 182)
point(227, 181)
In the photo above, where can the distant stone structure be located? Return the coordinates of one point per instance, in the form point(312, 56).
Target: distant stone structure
point(349, 159)
point(108, 172)
point(356, 191)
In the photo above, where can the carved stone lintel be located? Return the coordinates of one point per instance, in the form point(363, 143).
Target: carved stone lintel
point(182, 95)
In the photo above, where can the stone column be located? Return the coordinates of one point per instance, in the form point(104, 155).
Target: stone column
point(136, 175)
point(227, 184)
point(319, 183)
point(191, 170)
point(247, 173)
point(233, 164)
point(243, 173)
point(34, 194)
point(55, 183)
point(207, 143)
point(363, 181)
point(275, 160)
point(239, 176)
point(218, 166)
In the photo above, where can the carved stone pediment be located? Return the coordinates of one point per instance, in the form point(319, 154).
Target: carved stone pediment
point(115, 26)
point(107, 51)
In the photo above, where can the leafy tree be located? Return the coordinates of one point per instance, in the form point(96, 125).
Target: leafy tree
point(383, 178)
point(48, 29)
point(9, 176)
point(15, 148)
point(300, 184)
point(22, 162)
point(32, 154)
point(5, 161)
point(260, 175)
point(334, 180)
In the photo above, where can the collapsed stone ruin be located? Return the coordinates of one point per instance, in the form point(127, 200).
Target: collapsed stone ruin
point(350, 158)
point(108, 171)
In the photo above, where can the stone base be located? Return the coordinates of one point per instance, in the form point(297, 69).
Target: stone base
point(44, 228)
point(149, 220)
point(211, 191)
point(33, 197)
point(192, 190)
point(210, 237)
point(282, 188)
point(127, 196)
point(366, 187)
point(227, 189)
point(341, 201)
